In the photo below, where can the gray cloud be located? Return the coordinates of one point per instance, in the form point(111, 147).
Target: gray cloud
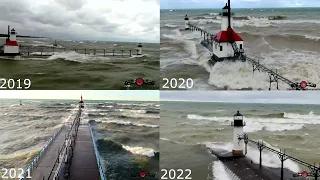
point(73, 19)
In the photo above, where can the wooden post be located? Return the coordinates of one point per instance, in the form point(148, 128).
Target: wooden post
point(94, 51)
point(130, 52)
point(85, 51)
point(28, 50)
point(113, 53)
point(121, 53)
point(104, 52)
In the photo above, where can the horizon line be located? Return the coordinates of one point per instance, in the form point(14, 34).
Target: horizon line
point(76, 99)
point(238, 8)
point(34, 37)
point(235, 102)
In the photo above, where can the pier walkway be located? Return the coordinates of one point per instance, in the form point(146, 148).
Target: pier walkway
point(84, 163)
point(70, 154)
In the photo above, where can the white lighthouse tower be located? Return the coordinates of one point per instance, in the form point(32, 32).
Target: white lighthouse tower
point(139, 49)
point(81, 103)
point(238, 123)
point(186, 23)
point(11, 47)
point(227, 44)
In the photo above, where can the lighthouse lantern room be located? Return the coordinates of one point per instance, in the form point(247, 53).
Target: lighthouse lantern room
point(11, 47)
point(139, 49)
point(81, 103)
point(227, 43)
point(238, 123)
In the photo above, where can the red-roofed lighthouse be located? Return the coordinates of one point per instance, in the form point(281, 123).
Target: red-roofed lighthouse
point(81, 103)
point(11, 47)
point(227, 43)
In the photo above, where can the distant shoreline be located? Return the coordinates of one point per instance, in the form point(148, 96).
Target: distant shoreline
point(5, 35)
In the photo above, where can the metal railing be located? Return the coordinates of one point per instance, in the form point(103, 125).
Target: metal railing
point(97, 155)
point(48, 51)
point(314, 170)
point(35, 160)
point(66, 151)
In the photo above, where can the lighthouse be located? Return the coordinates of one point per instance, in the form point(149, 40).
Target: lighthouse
point(139, 49)
point(81, 103)
point(11, 47)
point(186, 23)
point(227, 44)
point(238, 123)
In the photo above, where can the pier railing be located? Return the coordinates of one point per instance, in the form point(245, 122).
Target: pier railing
point(66, 151)
point(97, 155)
point(35, 160)
point(49, 51)
point(314, 170)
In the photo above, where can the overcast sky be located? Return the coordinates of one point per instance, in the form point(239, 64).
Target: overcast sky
point(181, 4)
point(115, 20)
point(276, 97)
point(132, 95)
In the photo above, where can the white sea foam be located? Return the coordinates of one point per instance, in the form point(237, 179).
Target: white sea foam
point(166, 139)
point(128, 123)
point(73, 56)
point(213, 14)
point(236, 75)
point(269, 159)
point(132, 110)
point(317, 38)
point(140, 150)
point(259, 22)
point(221, 172)
point(171, 25)
point(302, 65)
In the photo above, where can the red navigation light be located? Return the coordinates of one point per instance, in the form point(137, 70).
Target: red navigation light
point(139, 81)
point(304, 174)
point(303, 84)
point(142, 174)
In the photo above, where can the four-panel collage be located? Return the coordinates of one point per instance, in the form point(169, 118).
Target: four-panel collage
point(159, 89)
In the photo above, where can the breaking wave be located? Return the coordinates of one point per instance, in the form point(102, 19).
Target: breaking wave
point(127, 123)
point(108, 144)
point(278, 17)
point(284, 37)
point(270, 159)
point(171, 25)
point(75, 57)
point(140, 150)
